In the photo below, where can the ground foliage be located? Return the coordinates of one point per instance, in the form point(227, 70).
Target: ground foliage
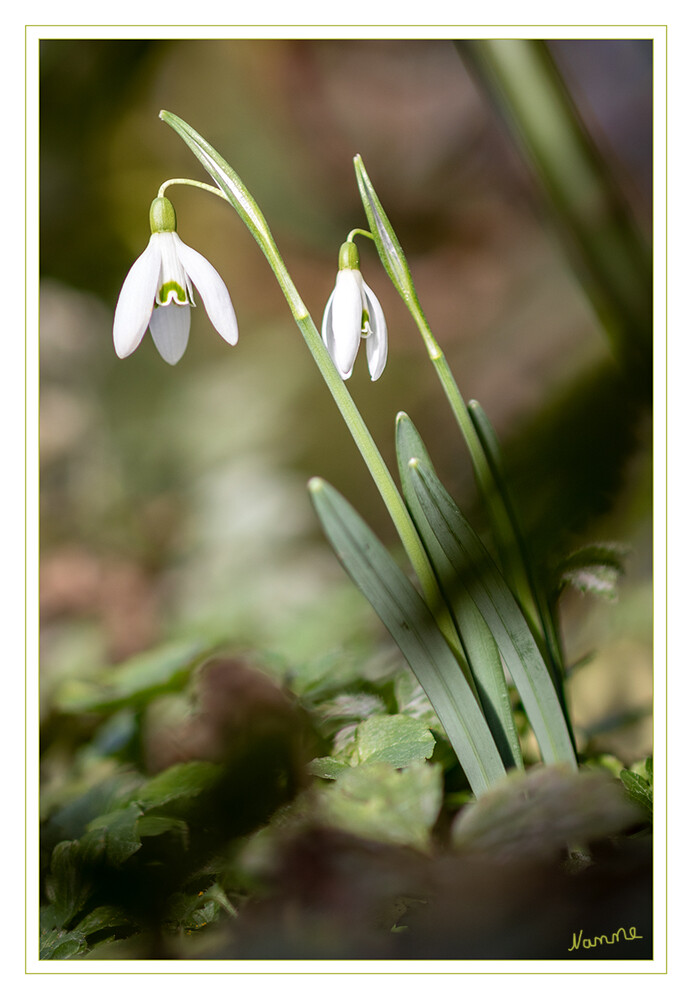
point(209, 810)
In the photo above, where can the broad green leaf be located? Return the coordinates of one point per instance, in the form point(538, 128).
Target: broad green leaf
point(136, 681)
point(122, 835)
point(182, 780)
point(67, 887)
point(379, 802)
point(479, 645)
point(539, 812)
point(476, 570)
point(411, 624)
point(61, 945)
point(327, 767)
point(395, 739)
point(103, 917)
point(157, 825)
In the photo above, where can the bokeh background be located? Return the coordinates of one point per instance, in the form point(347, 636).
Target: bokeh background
point(173, 500)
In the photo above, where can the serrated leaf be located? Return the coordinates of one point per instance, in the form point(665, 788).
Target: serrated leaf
point(378, 802)
point(395, 739)
point(476, 570)
point(479, 645)
point(411, 624)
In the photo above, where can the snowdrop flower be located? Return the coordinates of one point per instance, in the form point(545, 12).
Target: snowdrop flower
point(157, 292)
point(353, 312)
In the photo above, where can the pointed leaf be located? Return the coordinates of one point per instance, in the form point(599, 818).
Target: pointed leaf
point(475, 568)
point(411, 624)
point(479, 645)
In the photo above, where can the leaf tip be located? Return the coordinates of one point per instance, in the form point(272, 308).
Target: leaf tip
point(315, 484)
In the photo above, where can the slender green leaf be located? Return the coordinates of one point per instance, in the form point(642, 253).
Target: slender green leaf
point(479, 645)
point(518, 564)
point(412, 626)
point(182, 780)
point(474, 567)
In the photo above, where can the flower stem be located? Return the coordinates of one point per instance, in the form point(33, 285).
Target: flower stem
point(186, 182)
point(234, 191)
point(358, 232)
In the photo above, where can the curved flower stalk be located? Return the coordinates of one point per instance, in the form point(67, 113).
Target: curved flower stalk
point(157, 292)
point(352, 313)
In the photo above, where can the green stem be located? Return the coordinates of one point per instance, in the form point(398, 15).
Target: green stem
point(370, 453)
point(186, 182)
point(358, 232)
point(503, 529)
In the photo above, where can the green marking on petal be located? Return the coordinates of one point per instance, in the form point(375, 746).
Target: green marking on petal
point(171, 289)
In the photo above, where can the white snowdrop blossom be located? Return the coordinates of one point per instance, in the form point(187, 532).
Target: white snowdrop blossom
point(354, 313)
point(157, 292)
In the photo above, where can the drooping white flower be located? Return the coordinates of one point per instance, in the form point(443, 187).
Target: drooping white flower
point(157, 292)
point(353, 312)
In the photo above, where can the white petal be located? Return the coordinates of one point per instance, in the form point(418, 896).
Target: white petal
point(346, 319)
point(327, 330)
point(170, 328)
point(213, 291)
point(136, 300)
point(376, 342)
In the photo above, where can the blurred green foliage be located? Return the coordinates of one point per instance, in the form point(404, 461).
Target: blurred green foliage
point(175, 524)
